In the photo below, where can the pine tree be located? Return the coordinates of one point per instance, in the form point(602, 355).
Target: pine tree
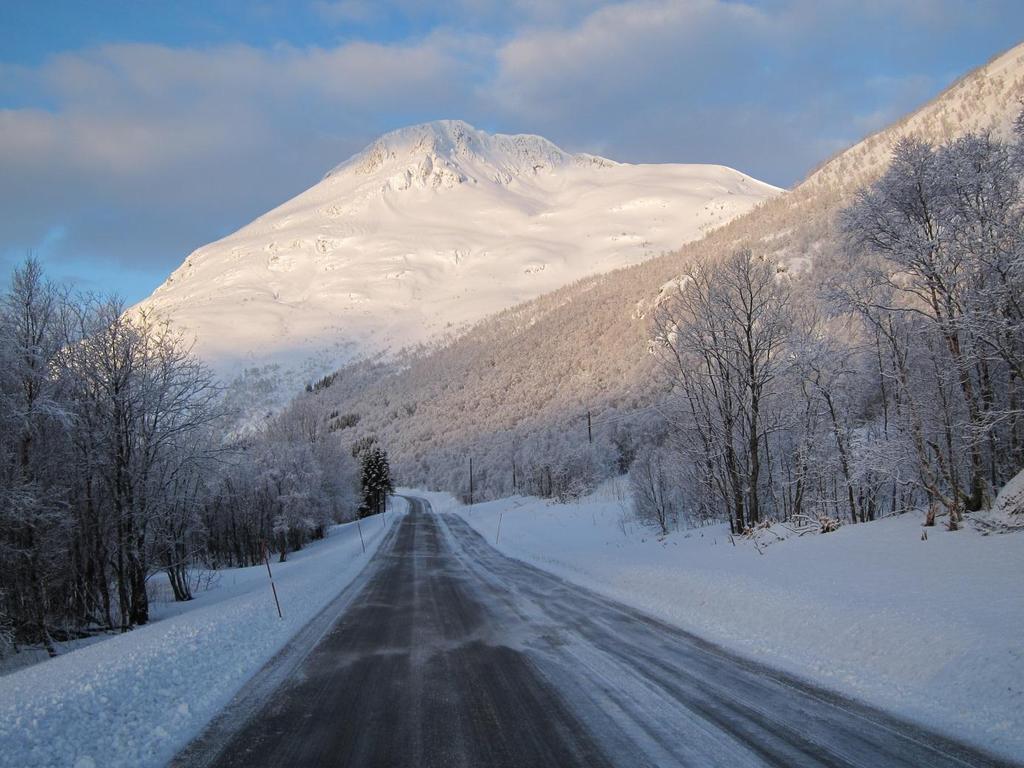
point(376, 481)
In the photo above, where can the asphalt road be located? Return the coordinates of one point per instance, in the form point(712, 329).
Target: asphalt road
point(451, 654)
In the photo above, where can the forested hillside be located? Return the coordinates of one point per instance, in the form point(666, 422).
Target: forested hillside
point(514, 393)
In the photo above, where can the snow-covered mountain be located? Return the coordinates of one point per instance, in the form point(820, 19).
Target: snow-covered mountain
point(531, 372)
point(428, 229)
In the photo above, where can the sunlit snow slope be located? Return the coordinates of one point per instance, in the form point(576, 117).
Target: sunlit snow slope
point(430, 228)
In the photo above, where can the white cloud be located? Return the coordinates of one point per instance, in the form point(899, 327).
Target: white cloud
point(657, 48)
point(347, 11)
point(146, 146)
point(143, 151)
point(463, 14)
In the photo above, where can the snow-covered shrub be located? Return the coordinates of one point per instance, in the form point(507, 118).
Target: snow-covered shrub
point(821, 523)
point(1010, 500)
point(1007, 513)
point(827, 524)
point(657, 500)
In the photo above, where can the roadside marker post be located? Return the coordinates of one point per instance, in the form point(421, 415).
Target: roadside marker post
point(498, 534)
point(273, 589)
point(359, 528)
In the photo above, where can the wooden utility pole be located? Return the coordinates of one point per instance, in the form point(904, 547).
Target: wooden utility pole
point(266, 560)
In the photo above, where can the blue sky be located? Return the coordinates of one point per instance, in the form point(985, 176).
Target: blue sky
point(133, 132)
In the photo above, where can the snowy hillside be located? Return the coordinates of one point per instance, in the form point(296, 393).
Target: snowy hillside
point(986, 99)
point(428, 229)
point(529, 373)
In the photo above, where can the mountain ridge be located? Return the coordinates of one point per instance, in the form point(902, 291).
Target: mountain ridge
point(457, 138)
point(427, 230)
point(950, 117)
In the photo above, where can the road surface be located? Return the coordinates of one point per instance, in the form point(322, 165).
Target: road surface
point(451, 654)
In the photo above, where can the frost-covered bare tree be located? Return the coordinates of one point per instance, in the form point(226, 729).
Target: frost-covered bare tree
point(937, 273)
point(721, 336)
point(148, 405)
point(896, 381)
point(33, 509)
point(655, 492)
point(828, 372)
point(117, 463)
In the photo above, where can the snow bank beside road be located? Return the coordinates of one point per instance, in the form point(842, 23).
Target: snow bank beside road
point(930, 630)
point(136, 699)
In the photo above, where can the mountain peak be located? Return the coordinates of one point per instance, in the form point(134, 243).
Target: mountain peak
point(443, 153)
point(427, 230)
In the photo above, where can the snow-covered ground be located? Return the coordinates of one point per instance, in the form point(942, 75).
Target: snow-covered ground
point(135, 699)
point(928, 629)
